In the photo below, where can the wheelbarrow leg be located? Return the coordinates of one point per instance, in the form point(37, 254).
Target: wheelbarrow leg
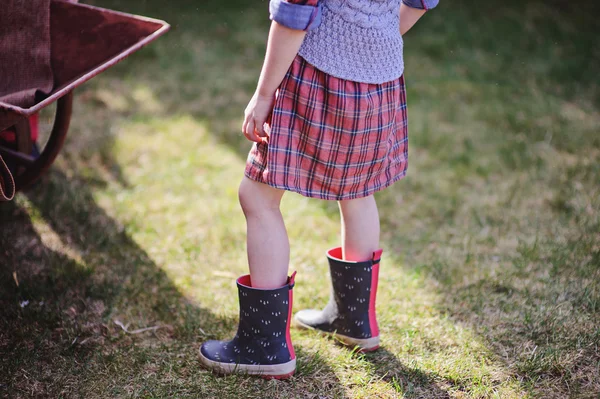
point(24, 144)
point(64, 107)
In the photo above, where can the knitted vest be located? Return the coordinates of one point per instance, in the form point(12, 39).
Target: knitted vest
point(357, 40)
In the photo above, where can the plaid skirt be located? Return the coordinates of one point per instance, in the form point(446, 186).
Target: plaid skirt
point(331, 138)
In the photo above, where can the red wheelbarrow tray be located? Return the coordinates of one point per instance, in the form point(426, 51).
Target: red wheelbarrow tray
point(85, 40)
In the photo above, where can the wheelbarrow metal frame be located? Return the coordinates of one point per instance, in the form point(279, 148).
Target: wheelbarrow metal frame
point(16, 116)
point(19, 112)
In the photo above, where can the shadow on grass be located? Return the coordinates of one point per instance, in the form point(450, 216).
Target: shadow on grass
point(72, 280)
point(63, 295)
point(411, 382)
point(313, 370)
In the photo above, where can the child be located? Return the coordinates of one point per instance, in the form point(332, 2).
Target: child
point(328, 119)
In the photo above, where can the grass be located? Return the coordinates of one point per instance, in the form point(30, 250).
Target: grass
point(490, 285)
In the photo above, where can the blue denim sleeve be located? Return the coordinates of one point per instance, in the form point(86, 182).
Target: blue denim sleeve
point(295, 16)
point(421, 4)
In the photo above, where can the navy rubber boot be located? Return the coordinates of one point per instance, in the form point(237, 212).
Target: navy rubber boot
point(262, 345)
point(350, 313)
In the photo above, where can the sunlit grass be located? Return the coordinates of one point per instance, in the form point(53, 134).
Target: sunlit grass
point(489, 284)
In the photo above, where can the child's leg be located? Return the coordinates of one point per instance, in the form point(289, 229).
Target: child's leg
point(354, 271)
point(267, 241)
point(262, 345)
point(360, 228)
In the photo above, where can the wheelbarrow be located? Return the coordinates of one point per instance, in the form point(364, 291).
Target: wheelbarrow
point(85, 41)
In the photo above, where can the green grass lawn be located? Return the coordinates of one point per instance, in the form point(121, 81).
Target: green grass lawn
point(490, 282)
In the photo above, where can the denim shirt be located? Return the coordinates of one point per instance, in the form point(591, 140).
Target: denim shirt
point(306, 14)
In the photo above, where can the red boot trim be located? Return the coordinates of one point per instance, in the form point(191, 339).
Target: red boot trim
point(374, 283)
point(292, 280)
point(335, 253)
point(245, 281)
point(377, 255)
point(288, 337)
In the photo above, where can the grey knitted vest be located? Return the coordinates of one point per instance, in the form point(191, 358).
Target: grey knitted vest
point(357, 40)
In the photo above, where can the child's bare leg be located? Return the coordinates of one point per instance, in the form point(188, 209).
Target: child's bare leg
point(267, 241)
point(360, 228)
point(350, 313)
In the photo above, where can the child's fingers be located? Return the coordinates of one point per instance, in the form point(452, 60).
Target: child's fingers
point(250, 132)
point(260, 127)
point(245, 124)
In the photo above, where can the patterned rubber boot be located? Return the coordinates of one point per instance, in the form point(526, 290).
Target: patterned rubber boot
point(262, 345)
point(350, 313)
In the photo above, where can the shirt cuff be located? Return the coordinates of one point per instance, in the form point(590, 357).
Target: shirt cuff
point(421, 4)
point(295, 16)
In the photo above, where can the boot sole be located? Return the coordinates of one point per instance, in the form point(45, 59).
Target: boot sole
point(272, 371)
point(363, 344)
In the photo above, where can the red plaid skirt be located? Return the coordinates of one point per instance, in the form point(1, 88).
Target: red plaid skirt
point(331, 138)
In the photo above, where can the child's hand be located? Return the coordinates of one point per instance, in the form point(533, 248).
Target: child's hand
point(255, 117)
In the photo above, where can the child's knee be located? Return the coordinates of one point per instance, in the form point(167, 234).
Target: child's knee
point(257, 197)
point(245, 196)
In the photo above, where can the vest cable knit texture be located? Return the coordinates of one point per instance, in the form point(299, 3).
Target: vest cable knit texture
point(357, 40)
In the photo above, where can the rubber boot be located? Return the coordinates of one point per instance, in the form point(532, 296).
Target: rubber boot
point(350, 313)
point(262, 345)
